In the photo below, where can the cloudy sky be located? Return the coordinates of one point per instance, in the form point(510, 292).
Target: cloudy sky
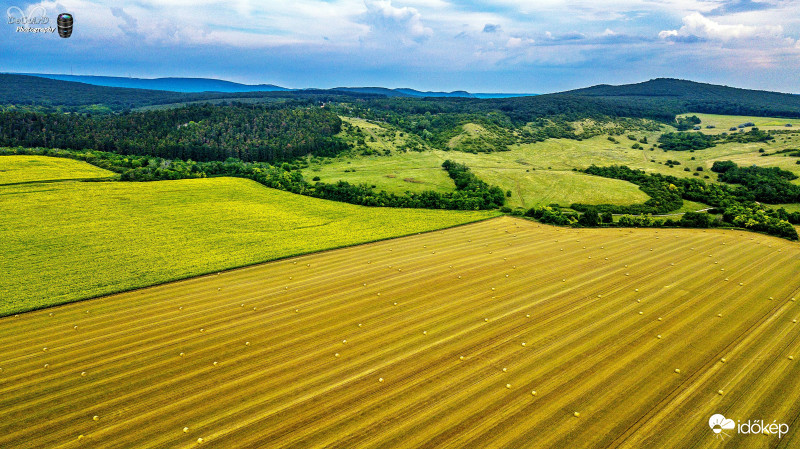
point(534, 46)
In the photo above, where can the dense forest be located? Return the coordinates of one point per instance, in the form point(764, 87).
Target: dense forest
point(198, 132)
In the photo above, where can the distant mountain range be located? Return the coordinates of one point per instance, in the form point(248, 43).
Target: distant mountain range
point(660, 99)
point(196, 85)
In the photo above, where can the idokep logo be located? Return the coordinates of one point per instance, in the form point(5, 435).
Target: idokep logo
point(719, 424)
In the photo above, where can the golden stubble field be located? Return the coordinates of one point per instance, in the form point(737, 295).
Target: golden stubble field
point(494, 334)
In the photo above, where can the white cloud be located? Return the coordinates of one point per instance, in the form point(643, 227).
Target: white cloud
point(518, 42)
point(405, 23)
point(695, 25)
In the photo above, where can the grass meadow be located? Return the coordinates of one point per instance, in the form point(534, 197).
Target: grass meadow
point(19, 169)
point(65, 241)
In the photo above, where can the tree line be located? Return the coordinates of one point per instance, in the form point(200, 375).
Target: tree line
point(197, 132)
point(471, 193)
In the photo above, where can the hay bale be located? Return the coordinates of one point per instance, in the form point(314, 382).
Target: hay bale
point(96, 418)
point(247, 343)
point(83, 373)
point(576, 414)
point(461, 358)
point(505, 370)
point(723, 360)
point(720, 392)
point(344, 341)
point(523, 343)
point(658, 336)
point(533, 392)
point(424, 332)
point(508, 386)
point(641, 313)
point(380, 379)
point(185, 430)
point(677, 370)
point(181, 354)
point(791, 357)
point(44, 349)
point(336, 355)
point(199, 441)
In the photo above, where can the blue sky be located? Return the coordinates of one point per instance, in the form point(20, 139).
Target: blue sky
point(490, 46)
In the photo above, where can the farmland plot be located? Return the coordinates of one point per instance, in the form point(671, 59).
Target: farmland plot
point(503, 333)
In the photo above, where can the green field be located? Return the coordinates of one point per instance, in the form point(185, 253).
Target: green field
point(541, 173)
point(66, 241)
point(17, 169)
point(723, 123)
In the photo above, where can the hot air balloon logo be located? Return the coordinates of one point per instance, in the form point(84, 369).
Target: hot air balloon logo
point(719, 424)
point(64, 25)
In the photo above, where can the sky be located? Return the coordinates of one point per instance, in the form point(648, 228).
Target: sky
point(441, 45)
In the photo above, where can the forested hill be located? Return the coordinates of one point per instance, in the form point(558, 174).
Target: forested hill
point(659, 99)
point(697, 97)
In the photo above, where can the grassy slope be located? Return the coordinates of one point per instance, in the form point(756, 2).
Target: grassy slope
point(16, 169)
point(541, 173)
point(491, 292)
point(69, 240)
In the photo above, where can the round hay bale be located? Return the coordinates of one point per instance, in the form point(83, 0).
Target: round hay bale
point(658, 336)
point(636, 289)
point(336, 355)
point(380, 379)
point(641, 313)
point(181, 354)
point(527, 315)
point(505, 370)
point(533, 392)
point(75, 327)
point(486, 320)
point(523, 343)
point(46, 365)
point(360, 325)
point(720, 392)
point(83, 373)
point(723, 360)
point(461, 358)
point(96, 418)
point(576, 414)
point(660, 319)
point(508, 386)
point(185, 430)
point(791, 357)
point(80, 437)
point(199, 441)
point(794, 321)
point(247, 343)
point(719, 315)
point(215, 363)
point(424, 332)
point(677, 370)
point(51, 314)
point(344, 341)
point(202, 330)
point(44, 349)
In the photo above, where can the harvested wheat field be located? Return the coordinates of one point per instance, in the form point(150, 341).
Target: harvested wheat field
point(503, 333)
